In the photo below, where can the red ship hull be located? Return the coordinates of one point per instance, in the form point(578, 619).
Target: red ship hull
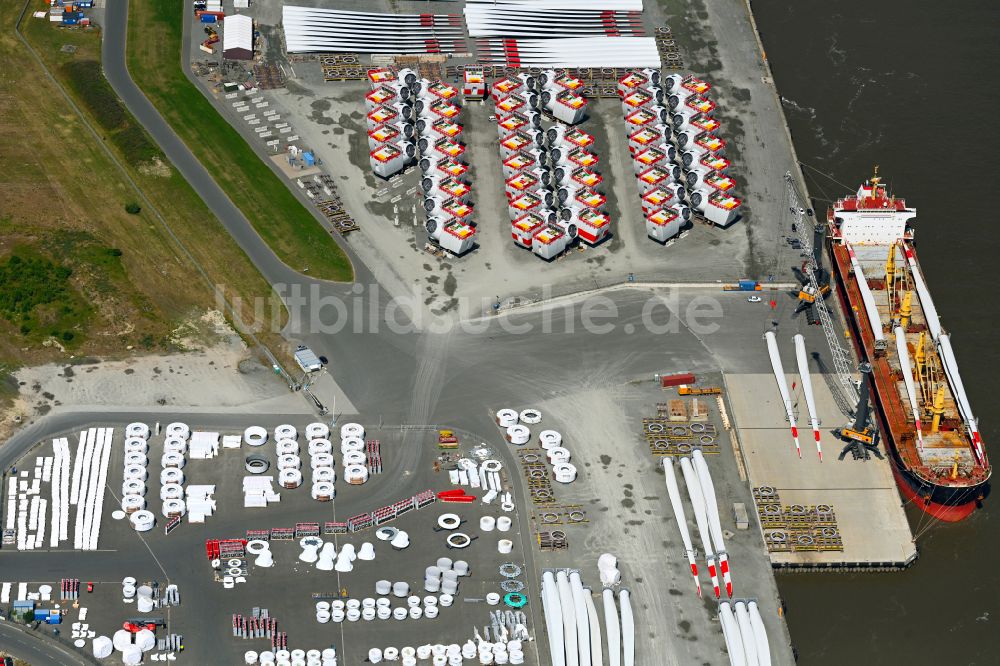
point(943, 502)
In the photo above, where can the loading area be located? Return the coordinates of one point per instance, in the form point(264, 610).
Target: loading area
point(835, 514)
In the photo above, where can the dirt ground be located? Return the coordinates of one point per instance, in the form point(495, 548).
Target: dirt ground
point(215, 371)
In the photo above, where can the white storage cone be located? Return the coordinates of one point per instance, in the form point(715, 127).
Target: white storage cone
point(325, 561)
point(400, 541)
point(366, 552)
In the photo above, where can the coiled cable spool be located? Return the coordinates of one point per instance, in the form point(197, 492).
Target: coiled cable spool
point(290, 478)
point(317, 431)
point(139, 430)
point(180, 430)
point(254, 464)
point(319, 446)
point(175, 445)
point(137, 472)
point(325, 474)
point(558, 454)
point(136, 458)
point(133, 503)
point(351, 444)
point(506, 418)
point(133, 487)
point(320, 460)
point(173, 507)
point(323, 491)
point(356, 474)
point(135, 444)
point(564, 472)
point(286, 431)
point(549, 439)
point(352, 430)
point(354, 458)
point(142, 520)
point(255, 436)
point(172, 459)
point(286, 446)
point(289, 461)
point(171, 491)
point(518, 434)
point(449, 521)
point(530, 416)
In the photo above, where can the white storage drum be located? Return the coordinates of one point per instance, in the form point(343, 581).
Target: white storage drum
point(171, 475)
point(133, 503)
point(171, 491)
point(320, 460)
point(136, 458)
point(356, 474)
point(290, 478)
point(351, 444)
point(255, 436)
point(320, 446)
point(317, 431)
point(139, 430)
point(324, 474)
point(352, 430)
point(287, 446)
point(506, 418)
point(136, 472)
point(180, 430)
point(289, 461)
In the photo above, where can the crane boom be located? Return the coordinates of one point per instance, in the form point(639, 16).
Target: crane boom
point(847, 397)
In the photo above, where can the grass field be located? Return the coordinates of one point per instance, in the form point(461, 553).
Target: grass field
point(62, 200)
point(154, 47)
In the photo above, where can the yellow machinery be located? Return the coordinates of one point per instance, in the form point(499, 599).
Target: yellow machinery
point(864, 436)
point(906, 310)
point(808, 293)
point(938, 409)
point(447, 439)
point(684, 389)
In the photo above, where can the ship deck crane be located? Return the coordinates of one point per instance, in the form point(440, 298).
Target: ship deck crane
point(847, 396)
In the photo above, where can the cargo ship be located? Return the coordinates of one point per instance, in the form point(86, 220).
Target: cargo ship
point(926, 421)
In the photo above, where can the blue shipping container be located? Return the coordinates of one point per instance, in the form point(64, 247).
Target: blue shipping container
point(748, 285)
point(208, 18)
point(42, 613)
point(70, 21)
point(55, 618)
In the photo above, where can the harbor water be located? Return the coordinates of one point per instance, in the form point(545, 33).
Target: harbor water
point(908, 85)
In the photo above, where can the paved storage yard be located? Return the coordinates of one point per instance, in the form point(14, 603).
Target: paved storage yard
point(863, 495)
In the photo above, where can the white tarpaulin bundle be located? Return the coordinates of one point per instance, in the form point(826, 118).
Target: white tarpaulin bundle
point(561, 33)
point(521, 21)
point(576, 52)
point(590, 5)
point(313, 29)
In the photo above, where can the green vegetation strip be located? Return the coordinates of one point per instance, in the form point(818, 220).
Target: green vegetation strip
point(90, 86)
point(36, 295)
point(155, 41)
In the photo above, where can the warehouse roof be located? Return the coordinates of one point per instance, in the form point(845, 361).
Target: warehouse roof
point(237, 33)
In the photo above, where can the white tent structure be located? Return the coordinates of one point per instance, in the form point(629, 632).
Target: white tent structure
point(237, 37)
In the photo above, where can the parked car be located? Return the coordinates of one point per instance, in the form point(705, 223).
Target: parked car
point(754, 299)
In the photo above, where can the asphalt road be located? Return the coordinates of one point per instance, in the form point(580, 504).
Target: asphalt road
point(33, 649)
